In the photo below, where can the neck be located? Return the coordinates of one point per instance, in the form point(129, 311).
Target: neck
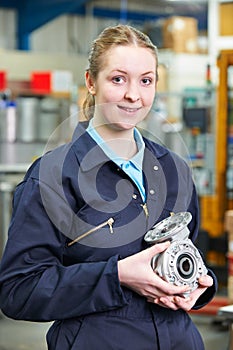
point(122, 142)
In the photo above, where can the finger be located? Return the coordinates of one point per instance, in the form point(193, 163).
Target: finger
point(167, 288)
point(168, 302)
point(206, 281)
point(150, 300)
point(157, 302)
point(197, 293)
point(157, 248)
point(184, 303)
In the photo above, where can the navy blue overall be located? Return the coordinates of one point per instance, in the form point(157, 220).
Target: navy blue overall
point(76, 192)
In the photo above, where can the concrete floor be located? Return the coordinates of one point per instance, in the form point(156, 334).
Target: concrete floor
point(20, 335)
point(215, 333)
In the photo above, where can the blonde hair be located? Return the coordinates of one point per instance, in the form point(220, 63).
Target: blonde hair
point(113, 36)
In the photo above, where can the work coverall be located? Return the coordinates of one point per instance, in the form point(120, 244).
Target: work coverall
point(75, 214)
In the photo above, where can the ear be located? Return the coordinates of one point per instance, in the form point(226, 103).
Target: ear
point(90, 83)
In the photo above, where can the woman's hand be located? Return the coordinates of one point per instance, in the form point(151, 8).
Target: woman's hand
point(179, 302)
point(136, 273)
point(186, 303)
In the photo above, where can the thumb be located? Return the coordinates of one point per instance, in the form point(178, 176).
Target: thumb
point(157, 248)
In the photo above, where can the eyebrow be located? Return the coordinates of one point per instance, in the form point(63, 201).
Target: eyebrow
point(150, 72)
point(124, 72)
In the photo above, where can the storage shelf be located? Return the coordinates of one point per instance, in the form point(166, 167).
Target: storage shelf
point(22, 88)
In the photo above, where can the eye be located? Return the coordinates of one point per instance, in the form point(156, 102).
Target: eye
point(118, 79)
point(147, 81)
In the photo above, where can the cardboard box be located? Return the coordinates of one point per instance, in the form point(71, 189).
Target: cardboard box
point(163, 78)
point(180, 34)
point(228, 221)
point(225, 20)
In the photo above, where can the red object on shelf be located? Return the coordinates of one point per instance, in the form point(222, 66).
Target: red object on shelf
point(41, 82)
point(2, 80)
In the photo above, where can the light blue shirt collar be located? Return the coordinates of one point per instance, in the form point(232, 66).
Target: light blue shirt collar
point(133, 166)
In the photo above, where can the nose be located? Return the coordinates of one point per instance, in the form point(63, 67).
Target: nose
point(132, 92)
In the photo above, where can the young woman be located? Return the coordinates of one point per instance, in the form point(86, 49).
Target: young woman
point(76, 252)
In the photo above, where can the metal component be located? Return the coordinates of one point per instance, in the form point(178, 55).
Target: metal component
point(165, 230)
point(181, 263)
point(48, 118)
point(28, 112)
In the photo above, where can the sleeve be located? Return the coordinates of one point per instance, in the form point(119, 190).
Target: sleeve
point(34, 283)
point(209, 294)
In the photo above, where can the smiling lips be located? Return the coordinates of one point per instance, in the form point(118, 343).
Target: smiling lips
point(129, 109)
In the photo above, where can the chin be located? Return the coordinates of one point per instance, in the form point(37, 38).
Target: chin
point(122, 126)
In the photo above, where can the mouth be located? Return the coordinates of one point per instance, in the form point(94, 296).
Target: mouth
point(129, 109)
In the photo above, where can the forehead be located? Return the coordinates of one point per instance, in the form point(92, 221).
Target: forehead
point(128, 57)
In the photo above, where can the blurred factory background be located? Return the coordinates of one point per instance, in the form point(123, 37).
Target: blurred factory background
point(43, 55)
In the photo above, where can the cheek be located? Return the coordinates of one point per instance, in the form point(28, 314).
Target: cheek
point(148, 98)
point(112, 94)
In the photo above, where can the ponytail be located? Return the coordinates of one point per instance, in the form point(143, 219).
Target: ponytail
point(88, 106)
